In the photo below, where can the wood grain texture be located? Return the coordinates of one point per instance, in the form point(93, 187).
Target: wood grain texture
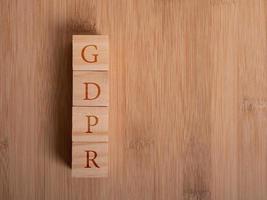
point(188, 82)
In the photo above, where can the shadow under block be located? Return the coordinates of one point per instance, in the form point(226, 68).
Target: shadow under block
point(90, 88)
point(90, 52)
point(90, 124)
point(90, 159)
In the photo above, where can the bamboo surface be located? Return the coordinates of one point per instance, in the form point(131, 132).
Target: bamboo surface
point(188, 99)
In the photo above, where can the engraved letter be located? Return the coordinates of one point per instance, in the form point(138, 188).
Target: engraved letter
point(86, 91)
point(94, 55)
point(91, 122)
point(91, 159)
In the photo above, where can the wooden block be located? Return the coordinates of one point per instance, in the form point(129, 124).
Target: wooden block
point(89, 124)
point(90, 88)
point(90, 159)
point(90, 106)
point(90, 52)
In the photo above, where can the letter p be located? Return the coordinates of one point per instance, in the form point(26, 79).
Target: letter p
point(92, 121)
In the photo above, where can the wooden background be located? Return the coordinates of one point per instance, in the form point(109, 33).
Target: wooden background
point(188, 99)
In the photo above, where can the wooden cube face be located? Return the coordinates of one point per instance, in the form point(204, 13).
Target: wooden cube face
point(90, 159)
point(90, 88)
point(89, 124)
point(90, 52)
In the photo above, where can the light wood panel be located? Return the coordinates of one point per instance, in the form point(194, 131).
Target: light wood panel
point(187, 99)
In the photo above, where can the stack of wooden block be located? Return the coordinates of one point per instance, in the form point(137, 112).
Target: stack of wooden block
point(90, 106)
